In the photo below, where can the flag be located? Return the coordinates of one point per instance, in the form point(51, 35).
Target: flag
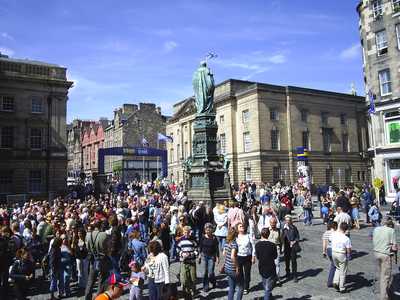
point(371, 97)
point(145, 143)
point(165, 138)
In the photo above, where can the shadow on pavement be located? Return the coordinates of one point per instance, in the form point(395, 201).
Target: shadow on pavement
point(357, 281)
point(309, 273)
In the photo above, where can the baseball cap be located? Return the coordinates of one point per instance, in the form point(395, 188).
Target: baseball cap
point(116, 279)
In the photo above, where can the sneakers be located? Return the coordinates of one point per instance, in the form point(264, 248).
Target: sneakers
point(245, 292)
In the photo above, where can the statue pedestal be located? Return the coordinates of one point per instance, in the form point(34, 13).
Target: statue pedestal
point(207, 177)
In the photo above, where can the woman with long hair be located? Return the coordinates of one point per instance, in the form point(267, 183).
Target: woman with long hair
point(231, 267)
point(246, 254)
point(210, 254)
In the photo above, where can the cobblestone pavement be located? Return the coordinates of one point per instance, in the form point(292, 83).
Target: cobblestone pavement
point(312, 272)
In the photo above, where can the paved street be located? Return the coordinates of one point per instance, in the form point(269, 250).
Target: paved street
point(312, 271)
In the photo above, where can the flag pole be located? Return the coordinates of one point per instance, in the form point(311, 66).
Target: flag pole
point(158, 146)
point(143, 160)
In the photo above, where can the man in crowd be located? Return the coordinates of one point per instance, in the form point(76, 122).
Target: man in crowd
point(385, 246)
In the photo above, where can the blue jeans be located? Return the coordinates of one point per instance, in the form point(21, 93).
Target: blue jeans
point(173, 247)
point(155, 289)
point(209, 275)
point(332, 268)
point(115, 263)
point(307, 216)
point(268, 284)
point(54, 280)
point(65, 279)
point(143, 232)
point(221, 242)
point(234, 282)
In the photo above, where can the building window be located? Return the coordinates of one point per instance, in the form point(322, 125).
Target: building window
point(35, 181)
point(398, 35)
point(384, 82)
point(392, 127)
point(221, 120)
point(186, 150)
point(36, 138)
point(396, 6)
point(304, 115)
point(343, 119)
point(345, 142)
point(306, 139)
point(359, 175)
point(7, 137)
point(276, 174)
point(377, 8)
point(222, 141)
point(328, 176)
point(326, 135)
point(347, 176)
point(178, 152)
point(246, 142)
point(37, 106)
point(273, 114)
point(245, 116)
point(324, 118)
point(7, 103)
point(275, 139)
point(171, 155)
point(381, 42)
point(247, 172)
point(6, 180)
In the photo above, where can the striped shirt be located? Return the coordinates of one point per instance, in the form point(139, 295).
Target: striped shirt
point(229, 266)
point(327, 236)
point(187, 250)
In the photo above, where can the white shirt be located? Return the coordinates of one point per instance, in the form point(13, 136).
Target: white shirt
point(263, 222)
point(340, 242)
point(343, 218)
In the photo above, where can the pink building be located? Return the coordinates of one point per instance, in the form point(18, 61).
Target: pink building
point(92, 141)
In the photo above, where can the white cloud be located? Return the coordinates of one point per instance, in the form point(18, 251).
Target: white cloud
point(170, 46)
point(351, 52)
point(6, 51)
point(278, 59)
point(6, 36)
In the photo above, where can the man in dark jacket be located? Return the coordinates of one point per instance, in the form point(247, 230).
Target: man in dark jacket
point(291, 237)
point(266, 254)
point(6, 257)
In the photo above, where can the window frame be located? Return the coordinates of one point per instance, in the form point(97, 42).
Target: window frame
point(247, 145)
point(35, 183)
point(304, 115)
point(327, 137)
point(275, 134)
point(35, 105)
point(388, 82)
point(377, 8)
point(245, 116)
point(222, 140)
point(11, 136)
point(343, 119)
point(3, 97)
point(345, 146)
point(276, 170)
point(32, 138)
point(382, 45)
point(324, 118)
point(273, 114)
point(307, 140)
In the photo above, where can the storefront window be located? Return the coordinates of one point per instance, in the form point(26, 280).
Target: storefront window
point(394, 174)
point(392, 124)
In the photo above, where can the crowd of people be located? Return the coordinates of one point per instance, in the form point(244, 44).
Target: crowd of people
point(132, 235)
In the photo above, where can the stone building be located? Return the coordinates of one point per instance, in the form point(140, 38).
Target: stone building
point(33, 153)
point(130, 125)
point(380, 40)
point(92, 139)
point(260, 125)
point(74, 144)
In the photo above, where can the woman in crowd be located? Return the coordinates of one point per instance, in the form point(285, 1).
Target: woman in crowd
point(231, 267)
point(21, 273)
point(66, 266)
point(221, 220)
point(137, 248)
point(355, 215)
point(327, 250)
point(157, 270)
point(81, 254)
point(210, 255)
point(246, 255)
point(55, 266)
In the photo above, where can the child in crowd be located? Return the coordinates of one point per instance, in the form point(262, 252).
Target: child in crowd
point(137, 282)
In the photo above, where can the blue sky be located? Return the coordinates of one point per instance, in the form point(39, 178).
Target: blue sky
point(131, 51)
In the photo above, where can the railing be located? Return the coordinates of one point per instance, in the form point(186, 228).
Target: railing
point(32, 69)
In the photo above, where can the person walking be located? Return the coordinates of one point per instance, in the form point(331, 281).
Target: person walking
point(327, 250)
point(246, 254)
point(210, 254)
point(55, 266)
point(100, 264)
point(231, 267)
point(275, 237)
point(341, 254)
point(267, 253)
point(291, 237)
point(385, 246)
point(221, 220)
